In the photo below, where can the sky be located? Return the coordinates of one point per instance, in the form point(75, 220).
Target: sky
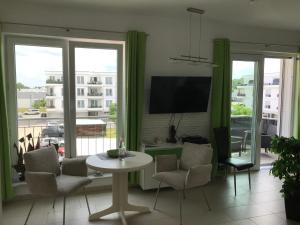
point(242, 68)
point(33, 61)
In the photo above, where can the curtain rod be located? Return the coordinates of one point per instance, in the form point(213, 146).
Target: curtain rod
point(67, 29)
point(265, 44)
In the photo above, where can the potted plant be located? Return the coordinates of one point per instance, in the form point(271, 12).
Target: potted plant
point(287, 169)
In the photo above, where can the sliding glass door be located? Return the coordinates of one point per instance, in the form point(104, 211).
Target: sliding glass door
point(261, 99)
point(245, 107)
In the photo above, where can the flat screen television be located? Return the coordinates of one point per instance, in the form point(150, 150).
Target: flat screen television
point(179, 94)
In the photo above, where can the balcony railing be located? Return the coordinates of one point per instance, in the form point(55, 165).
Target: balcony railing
point(96, 136)
point(95, 106)
point(51, 94)
point(50, 106)
point(94, 82)
point(95, 94)
point(241, 94)
point(54, 81)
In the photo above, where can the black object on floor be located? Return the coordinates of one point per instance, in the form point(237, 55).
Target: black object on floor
point(221, 135)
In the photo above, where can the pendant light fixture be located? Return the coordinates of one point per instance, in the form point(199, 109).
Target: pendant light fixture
point(189, 58)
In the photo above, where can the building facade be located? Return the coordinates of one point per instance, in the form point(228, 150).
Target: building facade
point(95, 92)
point(271, 94)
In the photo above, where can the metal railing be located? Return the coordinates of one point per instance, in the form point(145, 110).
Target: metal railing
point(54, 81)
point(94, 82)
point(89, 143)
point(95, 106)
point(95, 94)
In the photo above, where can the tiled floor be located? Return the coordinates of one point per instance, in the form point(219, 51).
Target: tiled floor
point(262, 205)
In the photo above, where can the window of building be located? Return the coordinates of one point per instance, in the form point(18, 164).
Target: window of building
point(51, 92)
point(108, 103)
point(80, 103)
point(80, 91)
point(108, 80)
point(80, 79)
point(108, 92)
point(50, 103)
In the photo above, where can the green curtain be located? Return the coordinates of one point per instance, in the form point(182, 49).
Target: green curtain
point(5, 161)
point(296, 127)
point(221, 91)
point(135, 72)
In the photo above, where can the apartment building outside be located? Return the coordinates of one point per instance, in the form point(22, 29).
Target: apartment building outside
point(95, 92)
point(271, 93)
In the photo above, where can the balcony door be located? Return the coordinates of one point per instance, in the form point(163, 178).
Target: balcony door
point(36, 74)
point(67, 93)
point(246, 107)
point(96, 71)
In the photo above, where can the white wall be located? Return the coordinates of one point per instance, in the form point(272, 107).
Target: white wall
point(167, 37)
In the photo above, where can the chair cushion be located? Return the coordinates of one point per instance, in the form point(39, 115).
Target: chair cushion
point(175, 179)
point(42, 160)
point(164, 163)
point(67, 184)
point(239, 164)
point(195, 155)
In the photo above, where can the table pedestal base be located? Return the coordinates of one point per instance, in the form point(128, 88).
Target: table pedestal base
point(119, 199)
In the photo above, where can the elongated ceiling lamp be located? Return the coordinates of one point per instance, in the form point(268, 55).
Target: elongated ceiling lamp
point(192, 59)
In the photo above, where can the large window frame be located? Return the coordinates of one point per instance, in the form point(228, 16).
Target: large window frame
point(69, 81)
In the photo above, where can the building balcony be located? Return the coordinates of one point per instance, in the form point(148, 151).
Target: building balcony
point(51, 106)
point(50, 95)
point(54, 81)
point(241, 94)
point(95, 94)
point(95, 106)
point(267, 95)
point(95, 82)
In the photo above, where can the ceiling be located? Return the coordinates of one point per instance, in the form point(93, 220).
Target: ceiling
point(282, 14)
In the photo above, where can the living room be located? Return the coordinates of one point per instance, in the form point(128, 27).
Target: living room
point(252, 29)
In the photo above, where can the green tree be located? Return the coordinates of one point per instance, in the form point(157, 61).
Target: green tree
point(113, 111)
point(237, 82)
point(240, 109)
point(41, 103)
point(21, 86)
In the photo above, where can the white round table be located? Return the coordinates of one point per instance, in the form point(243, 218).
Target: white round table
point(119, 169)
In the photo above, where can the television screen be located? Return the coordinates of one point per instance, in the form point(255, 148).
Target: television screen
point(179, 94)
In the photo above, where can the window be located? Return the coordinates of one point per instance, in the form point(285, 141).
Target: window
point(77, 84)
point(108, 103)
point(51, 92)
point(80, 91)
point(80, 79)
point(95, 104)
point(80, 103)
point(108, 80)
point(50, 103)
point(108, 92)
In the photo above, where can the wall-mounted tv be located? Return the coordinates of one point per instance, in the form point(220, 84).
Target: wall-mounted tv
point(179, 94)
